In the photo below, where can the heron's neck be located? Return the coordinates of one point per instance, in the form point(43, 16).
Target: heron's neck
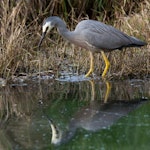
point(62, 29)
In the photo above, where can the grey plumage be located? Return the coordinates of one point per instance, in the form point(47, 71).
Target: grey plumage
point(95, 34)
point(105, 37)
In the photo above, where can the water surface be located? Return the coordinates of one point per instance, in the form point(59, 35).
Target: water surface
point(75, 114)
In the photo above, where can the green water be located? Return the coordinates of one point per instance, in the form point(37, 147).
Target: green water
point(50, 114)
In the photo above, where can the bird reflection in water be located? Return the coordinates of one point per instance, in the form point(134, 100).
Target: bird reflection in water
point(87, 118)
point(97, 115)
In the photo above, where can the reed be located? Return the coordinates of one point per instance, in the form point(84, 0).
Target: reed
point(20, 26)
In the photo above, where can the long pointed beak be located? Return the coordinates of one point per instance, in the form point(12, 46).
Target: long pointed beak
point(42, 37)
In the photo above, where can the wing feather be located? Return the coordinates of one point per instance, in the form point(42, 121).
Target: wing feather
point(102, 36)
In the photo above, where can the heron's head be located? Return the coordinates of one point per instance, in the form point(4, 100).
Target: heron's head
point(48, 24)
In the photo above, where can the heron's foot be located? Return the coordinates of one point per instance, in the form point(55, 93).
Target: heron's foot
point(107, 63)
point(89, 73)
point(91, 64)
point(106, 70)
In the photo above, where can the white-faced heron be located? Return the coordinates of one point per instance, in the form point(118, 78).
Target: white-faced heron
point(94, 36)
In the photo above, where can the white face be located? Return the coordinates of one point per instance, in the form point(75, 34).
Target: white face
point(47, 25)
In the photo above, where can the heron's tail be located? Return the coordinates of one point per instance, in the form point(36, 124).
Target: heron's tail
point(137, 42)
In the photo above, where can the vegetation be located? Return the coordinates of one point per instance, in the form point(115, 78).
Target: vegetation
point(20, 31)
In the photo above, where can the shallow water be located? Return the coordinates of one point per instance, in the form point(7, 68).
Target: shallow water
point(75, 113)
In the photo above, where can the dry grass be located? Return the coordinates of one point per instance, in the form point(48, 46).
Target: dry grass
point(135, 61)
point(20, 26)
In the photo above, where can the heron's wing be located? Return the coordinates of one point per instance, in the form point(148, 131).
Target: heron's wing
point(102, 36)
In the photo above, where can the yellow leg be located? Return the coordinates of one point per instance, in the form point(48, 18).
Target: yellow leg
point(107, 63)
point(91, 64)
